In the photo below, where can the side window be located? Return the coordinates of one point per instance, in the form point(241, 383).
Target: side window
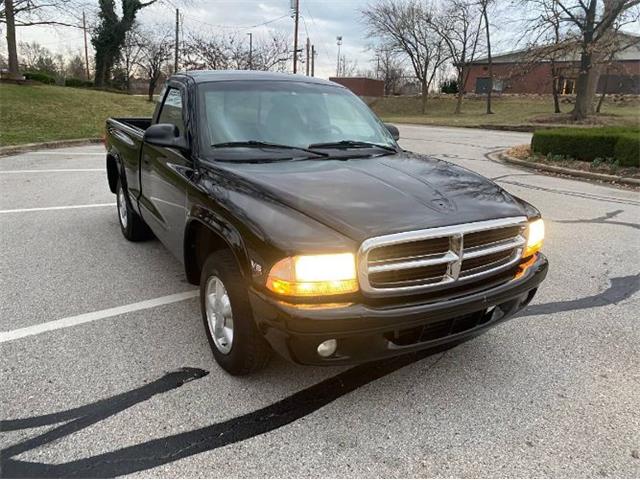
point(172, 109)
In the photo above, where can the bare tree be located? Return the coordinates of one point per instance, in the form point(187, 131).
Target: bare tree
point(75, 67)
point(271, 52)
point(203, 51)
point(389, 69)
point(26, 13)
point(484, 7)
point(157, 50)
point(546, 41)
point(30, 52)
point(595, 22)
point(217, 52)
point(405, 28)
point(131, 53)
point(619, 43)
point(459, 27)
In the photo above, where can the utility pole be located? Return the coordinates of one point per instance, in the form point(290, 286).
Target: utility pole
point(250, 50)
point(308, 64)
point(175, 62)
point(339, 43)
point(295, 34)
point(86, 49)
point(313, 60)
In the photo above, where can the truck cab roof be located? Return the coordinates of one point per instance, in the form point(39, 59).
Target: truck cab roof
point(205, 76)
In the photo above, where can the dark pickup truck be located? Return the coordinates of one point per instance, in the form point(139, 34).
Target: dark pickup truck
point(309, 230)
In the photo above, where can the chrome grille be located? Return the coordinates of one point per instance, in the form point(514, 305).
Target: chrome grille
point(424, 260)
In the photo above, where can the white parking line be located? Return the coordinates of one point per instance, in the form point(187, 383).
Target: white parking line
point(92, 316)
point(56, 171)
point(43, 152)
point(64, 207)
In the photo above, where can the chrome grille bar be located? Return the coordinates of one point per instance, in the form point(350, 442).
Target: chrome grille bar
point(387, 267)
point(454, 257)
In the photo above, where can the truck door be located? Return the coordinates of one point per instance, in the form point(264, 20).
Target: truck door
point(164, 174)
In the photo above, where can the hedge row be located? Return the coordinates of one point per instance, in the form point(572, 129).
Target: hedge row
point(620, 143)
point(77, 82)
point(40, 77)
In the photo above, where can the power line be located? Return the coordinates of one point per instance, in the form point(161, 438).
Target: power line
point(236, 27)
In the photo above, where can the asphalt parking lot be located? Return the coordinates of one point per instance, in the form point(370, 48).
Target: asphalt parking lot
point(106, 370)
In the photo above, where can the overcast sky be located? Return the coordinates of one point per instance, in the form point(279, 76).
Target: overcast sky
point(321, 20)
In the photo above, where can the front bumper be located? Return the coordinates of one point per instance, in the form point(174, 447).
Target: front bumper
point(365, 332)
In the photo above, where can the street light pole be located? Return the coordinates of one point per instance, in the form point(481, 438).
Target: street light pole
point(250, 50)
point(339, 43)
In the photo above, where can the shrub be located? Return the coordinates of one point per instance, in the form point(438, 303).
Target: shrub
point(589, 143)
point(40, 77)
point(77, 82)
point(449, 86)
point(627, 151)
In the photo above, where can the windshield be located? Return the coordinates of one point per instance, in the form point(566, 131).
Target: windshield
point(287, 113)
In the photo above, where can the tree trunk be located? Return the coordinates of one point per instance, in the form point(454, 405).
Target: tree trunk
point(14, 73)
point(458, 109)
point(152, 87)
point(584, 91)
point(99, 79)
point(424, 96)
point(490, 60)
point(585, 87)
point(605, 87)
point(460, 93)
point(554, 88)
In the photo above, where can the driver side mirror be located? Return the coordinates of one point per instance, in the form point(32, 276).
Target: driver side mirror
point(393, 130)
point(165, 135)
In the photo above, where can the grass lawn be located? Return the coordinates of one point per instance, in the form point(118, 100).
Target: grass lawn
point(508, 111)
point(40, 113)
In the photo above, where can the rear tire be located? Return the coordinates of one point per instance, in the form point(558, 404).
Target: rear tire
point(236, 343)
point(133, 227)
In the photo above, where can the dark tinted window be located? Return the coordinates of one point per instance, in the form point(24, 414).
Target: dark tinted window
point(172, 109)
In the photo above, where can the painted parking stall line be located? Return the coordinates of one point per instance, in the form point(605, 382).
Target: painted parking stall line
point(63, 207)
point(93, 316)
point(57, 170)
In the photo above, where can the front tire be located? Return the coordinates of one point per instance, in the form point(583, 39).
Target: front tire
point(236, 343)
point(132, 226)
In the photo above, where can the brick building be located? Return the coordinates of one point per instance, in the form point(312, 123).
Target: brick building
point(522, 72)
point(361, 86)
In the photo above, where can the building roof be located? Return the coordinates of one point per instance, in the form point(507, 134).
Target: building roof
point(630, 52)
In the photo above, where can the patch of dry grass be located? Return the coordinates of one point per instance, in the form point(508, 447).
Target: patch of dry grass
point(40, 113)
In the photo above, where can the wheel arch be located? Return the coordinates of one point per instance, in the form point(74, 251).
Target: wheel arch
point(203, 236)
point(113, 171)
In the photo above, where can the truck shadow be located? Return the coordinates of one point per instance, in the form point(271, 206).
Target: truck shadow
point(175, 447)
point(170, 448)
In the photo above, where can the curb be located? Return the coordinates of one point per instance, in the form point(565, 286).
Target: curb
point(28, 147)
point(580, 174)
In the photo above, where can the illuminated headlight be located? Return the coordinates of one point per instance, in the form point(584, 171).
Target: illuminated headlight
point(314, 275)
point(535, 237)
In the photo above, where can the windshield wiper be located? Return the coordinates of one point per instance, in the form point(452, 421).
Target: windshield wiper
point(353, 144)
point(257, 144)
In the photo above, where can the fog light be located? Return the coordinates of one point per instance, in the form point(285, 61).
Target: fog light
point(327, 348)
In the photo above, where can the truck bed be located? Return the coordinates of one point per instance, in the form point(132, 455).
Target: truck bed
point(138, 123)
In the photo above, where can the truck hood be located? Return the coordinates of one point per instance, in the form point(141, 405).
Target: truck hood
point(367, 197)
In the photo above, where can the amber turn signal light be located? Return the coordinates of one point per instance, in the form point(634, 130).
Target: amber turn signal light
point(314, 275)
